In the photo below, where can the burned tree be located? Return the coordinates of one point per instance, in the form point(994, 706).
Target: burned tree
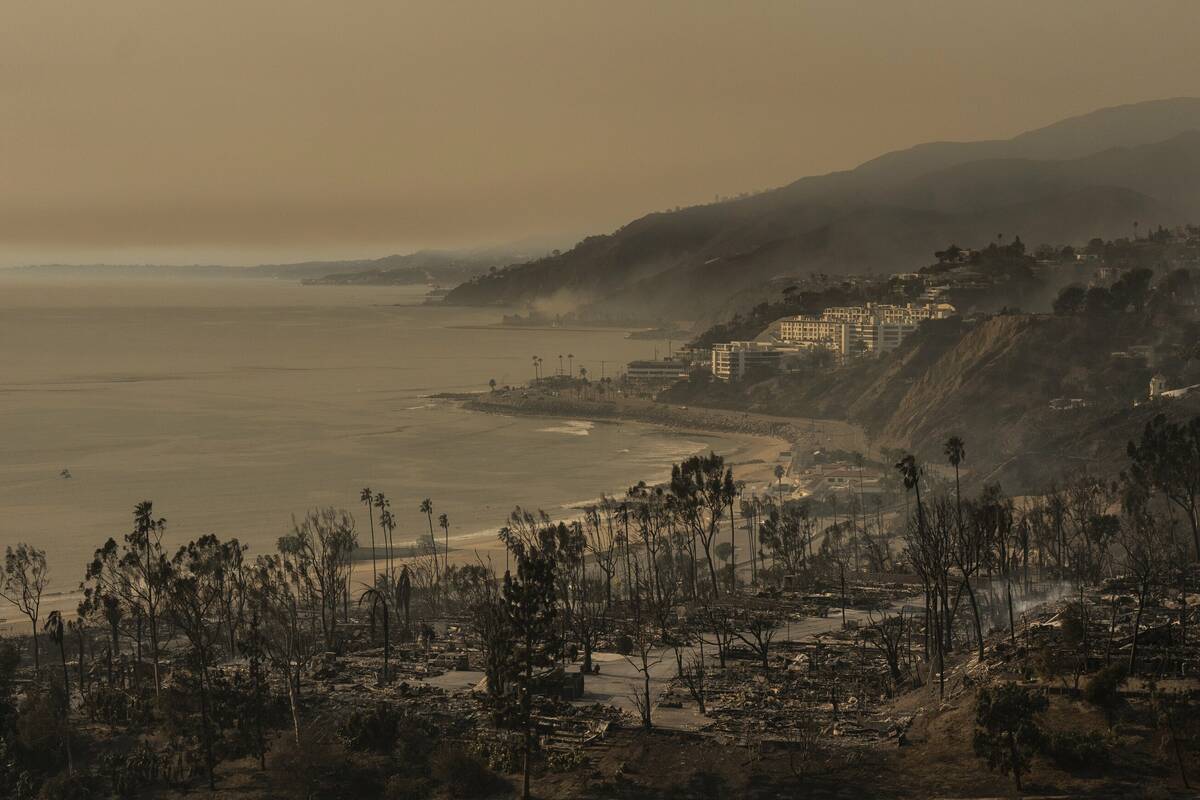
point(320, 545)
point(756, 631)
point(1167, 460)
point(701, 487)
point(602, 537)
point(22, 583)
point(529, 606)
point(888, 635)
point(1145, 540)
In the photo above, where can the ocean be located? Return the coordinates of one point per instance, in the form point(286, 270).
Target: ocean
point(235, 404)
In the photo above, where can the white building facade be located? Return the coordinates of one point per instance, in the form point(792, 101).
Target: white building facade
point(858, 330)
point(732, 360)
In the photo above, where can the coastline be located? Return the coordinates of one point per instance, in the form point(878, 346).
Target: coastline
point(790, 431)
point(760, 442)
point(753, 460)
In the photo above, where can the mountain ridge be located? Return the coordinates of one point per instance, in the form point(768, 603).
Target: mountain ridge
point(885, 215)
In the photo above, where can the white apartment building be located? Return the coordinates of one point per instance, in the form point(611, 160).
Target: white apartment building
point(831, 334)
point(732, 360)
point(855, 330)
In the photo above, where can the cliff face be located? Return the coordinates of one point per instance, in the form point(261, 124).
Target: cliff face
point(990, 382)
point(987, 381)
point(994, 386)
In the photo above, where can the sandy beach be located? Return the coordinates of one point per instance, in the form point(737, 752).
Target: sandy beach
point(752, 459)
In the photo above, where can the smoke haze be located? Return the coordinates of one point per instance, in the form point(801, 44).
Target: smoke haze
point(273, 130)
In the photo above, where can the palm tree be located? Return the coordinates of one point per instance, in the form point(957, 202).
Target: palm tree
point(779, 472)
point(956, 452)
point(383, 504)
point(365, 497)
point(535, 368)
point(733, 490)
point(388, 523)
point(571, 364)
point(404, 594)
point(560, 372)
point(56, 630)
point(426, 508)
point(910, 472)
point(444, 524)
point(379, 601)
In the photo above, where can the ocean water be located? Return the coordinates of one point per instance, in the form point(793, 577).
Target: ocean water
point(234, 404)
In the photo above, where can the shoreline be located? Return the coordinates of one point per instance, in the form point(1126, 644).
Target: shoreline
point(792, 431)
point(753, 460)
point(752, 457)
point(761, 439)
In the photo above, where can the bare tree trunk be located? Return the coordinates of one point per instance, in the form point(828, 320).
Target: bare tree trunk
point(62, 651)
point(1137, 624)
point(37, 663)
point(646, 723)
point(79, 639)
point(1112, 629)
point(975, 614)
point(294, 702)
point(1012, 626)
point(154, 654)
point(208, 750)
point(525, 795)
point(843, 574)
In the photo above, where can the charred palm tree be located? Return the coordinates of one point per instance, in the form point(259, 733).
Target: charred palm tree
point(426, 508)
point(388, 522)
point(384, 505)
point(367, 498)
point(404, 596)
point(56, 630)
point(956, 453)
point(379, 603)
point(444, 524)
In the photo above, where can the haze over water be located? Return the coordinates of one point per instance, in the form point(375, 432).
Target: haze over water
point(235, 404)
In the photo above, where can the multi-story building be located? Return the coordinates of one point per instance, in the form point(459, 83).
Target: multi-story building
point(833, 334)
point(855, 330)
point(732, 360)
point(661, 370)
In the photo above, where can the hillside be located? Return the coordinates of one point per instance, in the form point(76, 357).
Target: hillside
point(1082, 177)
point(992, 382)
point(994, 387)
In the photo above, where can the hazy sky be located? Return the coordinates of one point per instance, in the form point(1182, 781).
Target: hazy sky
point(259, 130)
